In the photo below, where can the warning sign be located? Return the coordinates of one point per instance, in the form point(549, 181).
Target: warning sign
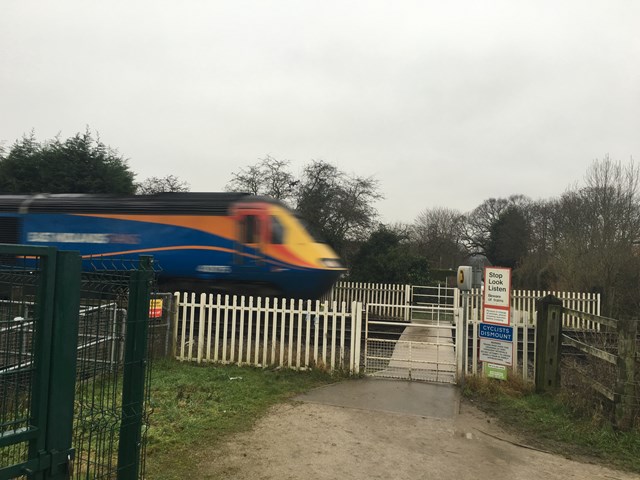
point(496, 351)
point(496, 336)
point(496, 307)
point(155, 308)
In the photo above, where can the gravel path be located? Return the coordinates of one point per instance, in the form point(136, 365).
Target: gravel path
point(316, 441)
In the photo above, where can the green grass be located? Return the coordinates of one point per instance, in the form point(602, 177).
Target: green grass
point(551, 423)
point(194, 407)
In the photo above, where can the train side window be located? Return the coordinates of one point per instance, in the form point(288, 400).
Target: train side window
point(249, 229)
point(277, 231)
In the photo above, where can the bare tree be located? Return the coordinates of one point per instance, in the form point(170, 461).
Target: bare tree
point(478, 223)
point(338, 205)
point(269, 177)
point(596, 229)
point(249, 180)
point(170, 183)
point(437, 234)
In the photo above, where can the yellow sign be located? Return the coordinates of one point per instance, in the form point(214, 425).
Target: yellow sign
point(155, 308)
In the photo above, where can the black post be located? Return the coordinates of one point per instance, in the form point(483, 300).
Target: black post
point(548, 343)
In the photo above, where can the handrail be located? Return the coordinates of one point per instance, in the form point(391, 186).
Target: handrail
point(609, 322)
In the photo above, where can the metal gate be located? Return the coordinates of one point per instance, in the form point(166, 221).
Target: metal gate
point(418, 344)
point(37, 374)
point(73, 381)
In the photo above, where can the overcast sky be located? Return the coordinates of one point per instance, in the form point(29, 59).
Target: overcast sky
point(445, 103)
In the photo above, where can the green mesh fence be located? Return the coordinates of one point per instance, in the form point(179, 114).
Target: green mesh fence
point(111, 407)
point(103, 359)
point(18, 327)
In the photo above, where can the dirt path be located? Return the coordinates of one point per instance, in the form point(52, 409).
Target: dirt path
point(316, 441)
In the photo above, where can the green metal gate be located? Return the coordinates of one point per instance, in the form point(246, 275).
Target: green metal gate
point(73, 376)
point(40, 297)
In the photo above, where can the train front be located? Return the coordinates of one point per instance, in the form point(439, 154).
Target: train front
point(299, 263)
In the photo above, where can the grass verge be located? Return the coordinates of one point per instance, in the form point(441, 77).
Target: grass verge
point(551, 423)
point(195, 406)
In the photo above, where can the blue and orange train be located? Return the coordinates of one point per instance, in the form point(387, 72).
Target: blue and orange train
point(227, 242)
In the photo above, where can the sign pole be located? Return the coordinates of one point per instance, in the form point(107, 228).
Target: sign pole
point(464, 277)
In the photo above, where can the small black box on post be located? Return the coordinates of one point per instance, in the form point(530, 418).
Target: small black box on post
point(548, 343)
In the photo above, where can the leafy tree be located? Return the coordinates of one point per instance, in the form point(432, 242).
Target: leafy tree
point(170, 183)
point(385, 258)
point(535, 268)
point(508, 238)
point(80, 164)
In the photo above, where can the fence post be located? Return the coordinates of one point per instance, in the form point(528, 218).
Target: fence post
point(174, 319)
point(357, 334)
point(461, 337)
point(408, 300)
point(62, 382)
point(548, 343)
point(133, 381)
point(625, 386)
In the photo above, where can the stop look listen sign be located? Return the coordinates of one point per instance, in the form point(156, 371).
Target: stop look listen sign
point(496, 306)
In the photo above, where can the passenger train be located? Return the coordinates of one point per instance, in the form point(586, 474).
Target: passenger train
point(218, 242)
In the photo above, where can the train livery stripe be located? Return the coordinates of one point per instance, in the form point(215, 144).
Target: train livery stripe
point(164, 249)
point(191, 247)
point(284, 254)
point(221, 226)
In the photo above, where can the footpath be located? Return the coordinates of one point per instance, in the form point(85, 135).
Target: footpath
point(384, 429)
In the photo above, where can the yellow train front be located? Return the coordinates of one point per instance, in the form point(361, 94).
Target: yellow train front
point(275, 249)
point(224, 242)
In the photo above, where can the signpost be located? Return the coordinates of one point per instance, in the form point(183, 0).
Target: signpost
point(496, 334)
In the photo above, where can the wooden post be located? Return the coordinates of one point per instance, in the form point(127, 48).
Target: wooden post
point(548, 343)
point(625, 396)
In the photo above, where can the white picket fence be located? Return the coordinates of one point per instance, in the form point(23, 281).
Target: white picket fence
point(268, 332)
point(523, 307)
point(391, 300)
point(327, 334)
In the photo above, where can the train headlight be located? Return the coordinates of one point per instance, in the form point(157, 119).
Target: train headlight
point(331, 262)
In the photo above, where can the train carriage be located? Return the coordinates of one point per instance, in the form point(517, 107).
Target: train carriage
point(224, 242)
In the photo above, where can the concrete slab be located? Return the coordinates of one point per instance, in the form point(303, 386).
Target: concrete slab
point(393, 396)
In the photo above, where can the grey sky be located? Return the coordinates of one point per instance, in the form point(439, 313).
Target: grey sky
point(445, 103)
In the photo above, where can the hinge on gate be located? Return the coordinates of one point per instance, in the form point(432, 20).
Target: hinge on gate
point(62, 462)
point(57, 462)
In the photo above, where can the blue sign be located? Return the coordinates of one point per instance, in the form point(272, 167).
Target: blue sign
point(496, 332)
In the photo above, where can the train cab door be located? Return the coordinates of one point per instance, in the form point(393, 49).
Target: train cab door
point(251, 231)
